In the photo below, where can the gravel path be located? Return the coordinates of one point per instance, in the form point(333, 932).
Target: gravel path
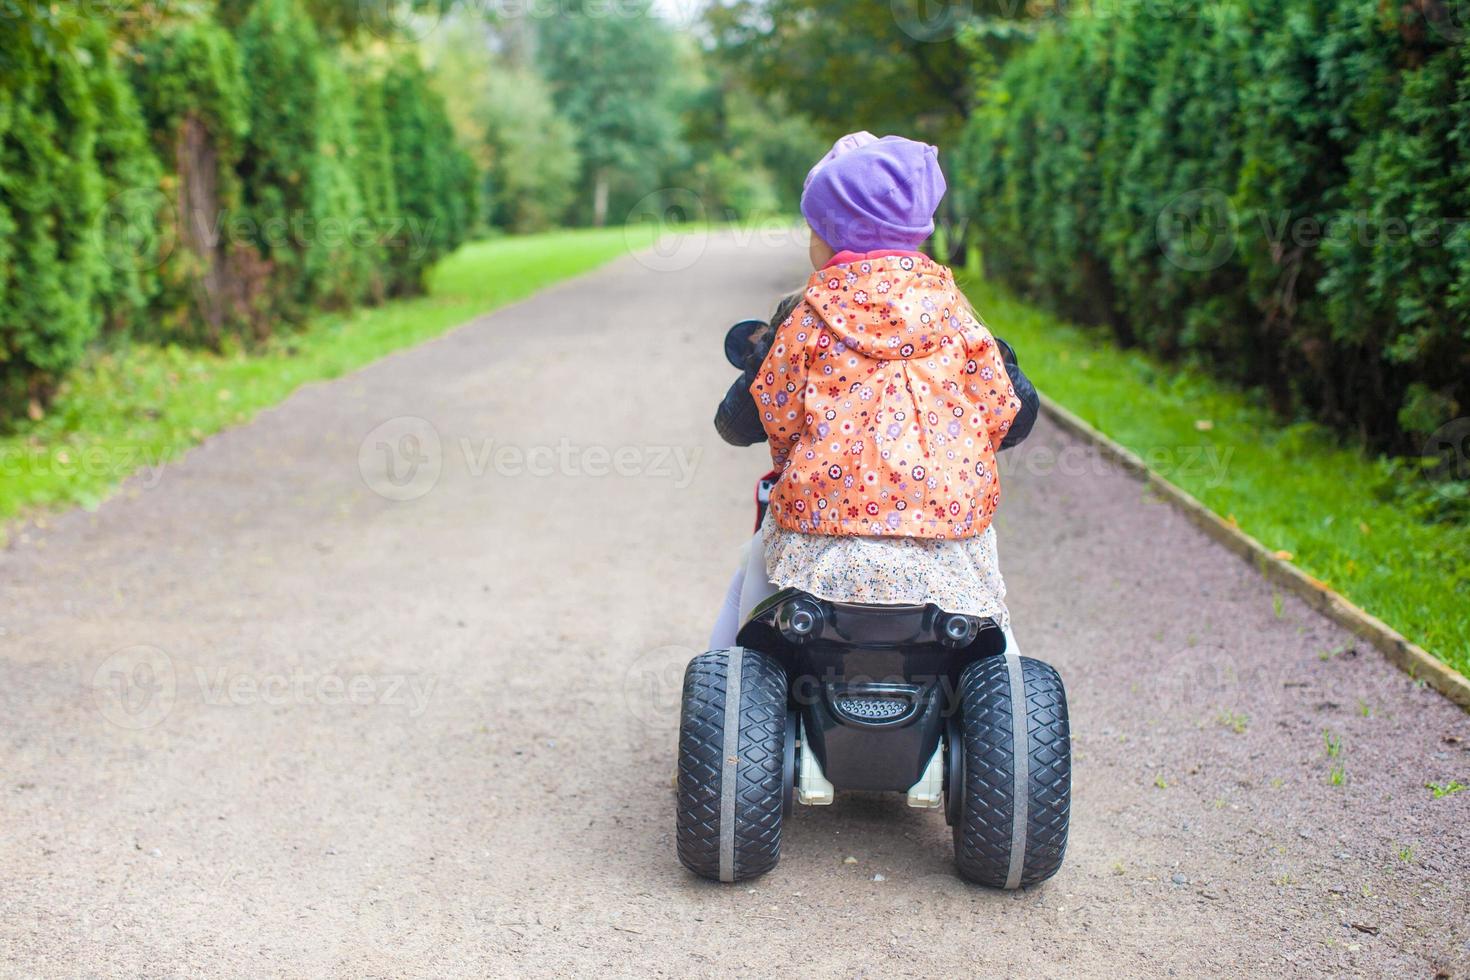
point(261, 719)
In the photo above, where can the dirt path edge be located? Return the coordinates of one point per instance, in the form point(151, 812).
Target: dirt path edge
point(1413, 659)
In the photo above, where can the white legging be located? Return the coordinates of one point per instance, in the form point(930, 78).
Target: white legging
point(752, 585)
point(748, 589)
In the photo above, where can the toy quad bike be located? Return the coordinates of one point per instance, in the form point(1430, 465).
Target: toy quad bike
point(819, 696)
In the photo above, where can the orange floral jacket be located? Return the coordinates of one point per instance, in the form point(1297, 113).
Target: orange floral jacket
point(884, 400)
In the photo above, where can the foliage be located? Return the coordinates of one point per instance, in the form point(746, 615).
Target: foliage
point(128, 227)
point(434, 177)
point(747, 155)
point(281, 165)
point(349, 19)
point(147, 190)
point(609, 77)
point(373, 165)
point(532, 150)
point(1268, 188)
point(344, 251)
point(504, 116)
point(51, 261)
point(192, 96)
point(853, 64)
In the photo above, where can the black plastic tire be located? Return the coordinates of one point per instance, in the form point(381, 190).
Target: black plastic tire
point(986, 833)
point(734, 837)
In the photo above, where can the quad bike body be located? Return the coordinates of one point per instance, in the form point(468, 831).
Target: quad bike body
point(824, 696)
point(820, 696)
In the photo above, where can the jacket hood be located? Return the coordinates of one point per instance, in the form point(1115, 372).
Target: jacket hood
point(887, 308)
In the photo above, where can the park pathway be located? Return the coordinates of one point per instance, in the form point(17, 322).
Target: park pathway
point(385, 683)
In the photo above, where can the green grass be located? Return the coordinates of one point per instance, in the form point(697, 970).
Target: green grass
point(138, 406)
point(1236, 721)
point(1344, 518)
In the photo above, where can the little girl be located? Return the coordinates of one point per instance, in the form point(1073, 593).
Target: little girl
point(884, 400)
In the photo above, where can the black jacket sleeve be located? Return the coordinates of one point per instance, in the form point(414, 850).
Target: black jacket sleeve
point(1026, 391)
point(738, 419)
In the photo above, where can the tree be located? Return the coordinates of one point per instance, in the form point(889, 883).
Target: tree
point(505, 119)
point(191, 90)
point(883, 65)
point(279, 52)
point(609, 76)
point(128, 228)
point(434, 178)
point(347, 19)
point(747, 154)
point(50, 256)
point(1302, 250)
point(533, 162)
point(373, 165)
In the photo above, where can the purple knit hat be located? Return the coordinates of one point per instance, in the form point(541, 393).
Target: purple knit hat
point(874, 195)
point(843, 146)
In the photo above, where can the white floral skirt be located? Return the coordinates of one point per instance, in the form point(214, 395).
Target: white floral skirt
point(958, 576)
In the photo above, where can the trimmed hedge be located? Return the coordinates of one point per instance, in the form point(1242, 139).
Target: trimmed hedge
point(279, 52)
point(1273, 189)
point(372, 151)
point(175, 181)
point(436, 181)
point(52, 189)
point(128, 228)
point(192, 90)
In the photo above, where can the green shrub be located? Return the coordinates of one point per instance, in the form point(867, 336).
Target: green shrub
point(532, 152)
point(342, 252)
point(434, 178)
point(51, 195)
point(373, 166)
point(1396, 288)
point(163, 178)
point(128, 227)
point(279, 166)
point(191, 89)
point(318, 185)
point(1237, 183)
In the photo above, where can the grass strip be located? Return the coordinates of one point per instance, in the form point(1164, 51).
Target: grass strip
point(1345, 518)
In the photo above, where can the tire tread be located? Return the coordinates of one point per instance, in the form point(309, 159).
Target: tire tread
point(761, 753)
point(983, 832)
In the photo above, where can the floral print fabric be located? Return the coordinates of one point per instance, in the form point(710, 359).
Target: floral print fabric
point(884, 398)
point(960, 576)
